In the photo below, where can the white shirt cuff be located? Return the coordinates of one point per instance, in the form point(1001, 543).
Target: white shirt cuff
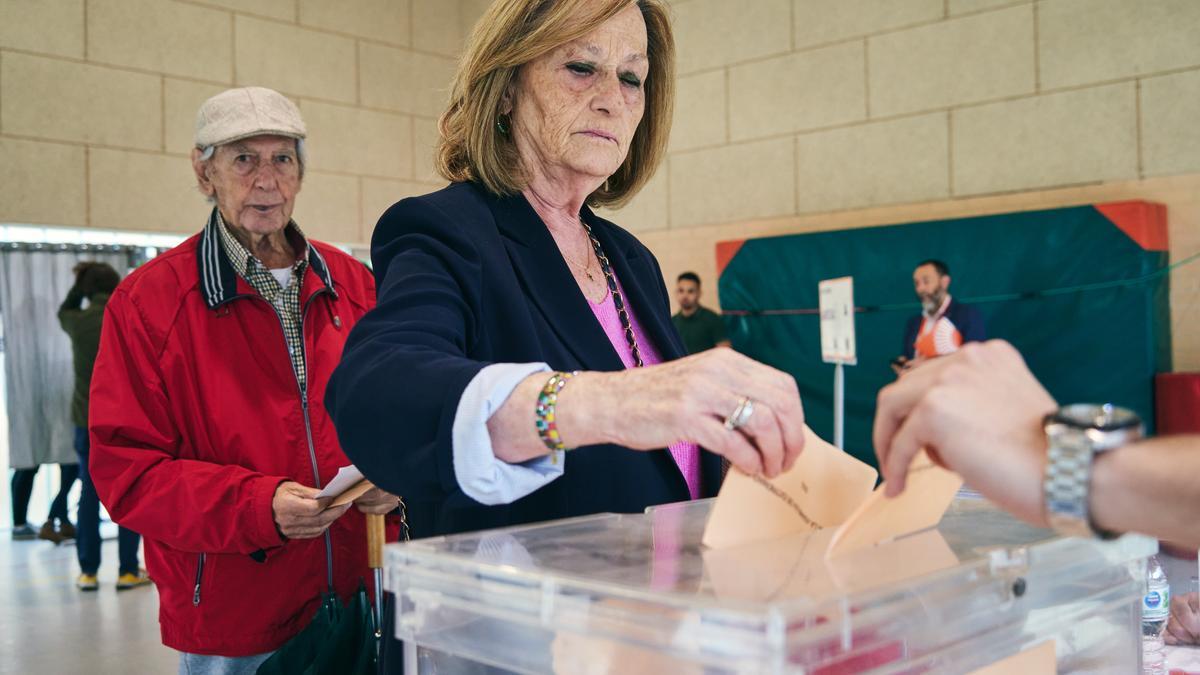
point(480, 475)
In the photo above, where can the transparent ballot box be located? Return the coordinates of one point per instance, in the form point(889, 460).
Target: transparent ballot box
point(640, 594)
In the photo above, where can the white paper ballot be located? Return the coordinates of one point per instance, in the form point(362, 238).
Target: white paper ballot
point(346, 478)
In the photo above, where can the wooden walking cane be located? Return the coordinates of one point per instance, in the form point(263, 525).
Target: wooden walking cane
point(376, 533)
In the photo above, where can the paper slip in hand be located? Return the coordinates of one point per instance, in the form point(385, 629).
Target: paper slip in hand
point(345, 487)
point(927, 494)
point(821, 490)
point(346, 477)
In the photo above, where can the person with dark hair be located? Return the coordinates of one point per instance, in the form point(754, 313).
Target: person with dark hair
point(943, 325)
point(94, 281)
point(701, 328)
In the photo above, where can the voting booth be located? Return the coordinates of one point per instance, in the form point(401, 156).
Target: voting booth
point(639, 593)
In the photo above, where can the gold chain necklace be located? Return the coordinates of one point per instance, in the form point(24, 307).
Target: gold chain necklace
point(586, 268)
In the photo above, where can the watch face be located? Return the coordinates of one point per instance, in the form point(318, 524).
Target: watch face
point(1106, 417)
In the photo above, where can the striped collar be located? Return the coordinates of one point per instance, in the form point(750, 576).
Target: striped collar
point(218, 277)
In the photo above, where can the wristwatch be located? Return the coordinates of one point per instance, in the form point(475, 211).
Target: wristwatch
point(1075, 434)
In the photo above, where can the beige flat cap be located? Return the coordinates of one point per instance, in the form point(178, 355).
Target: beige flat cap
point(240, 113)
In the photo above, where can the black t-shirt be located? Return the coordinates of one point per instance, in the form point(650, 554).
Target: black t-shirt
point(702, 330)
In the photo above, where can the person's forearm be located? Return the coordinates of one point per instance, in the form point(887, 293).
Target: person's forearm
point(74, 299)
point(228, 507)
point(579, 416)
point(1152, 487)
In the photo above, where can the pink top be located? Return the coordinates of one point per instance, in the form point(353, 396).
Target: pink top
point(686, 455)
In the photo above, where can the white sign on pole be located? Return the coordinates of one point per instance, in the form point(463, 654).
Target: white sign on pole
point(837, 320)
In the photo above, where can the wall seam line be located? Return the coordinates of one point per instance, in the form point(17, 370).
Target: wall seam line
point(1137, 104)
point(1037, 51)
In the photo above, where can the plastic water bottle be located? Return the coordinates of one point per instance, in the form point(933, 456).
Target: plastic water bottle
point(1156, 607)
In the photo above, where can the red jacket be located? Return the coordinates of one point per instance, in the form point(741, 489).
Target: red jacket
point(196, 417)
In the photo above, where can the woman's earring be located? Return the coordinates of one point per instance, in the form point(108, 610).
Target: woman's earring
point(503, 124)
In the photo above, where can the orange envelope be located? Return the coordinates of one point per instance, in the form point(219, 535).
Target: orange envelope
point(822, 489)
point(771, 569)
point(1039, 660)
point(928, 493)
point(795, 566)
point(908, 557)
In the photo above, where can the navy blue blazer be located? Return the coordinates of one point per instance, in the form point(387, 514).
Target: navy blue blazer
point(965, 318)
point(466, 279)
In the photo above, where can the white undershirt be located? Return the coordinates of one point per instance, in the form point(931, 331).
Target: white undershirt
point(283, 275)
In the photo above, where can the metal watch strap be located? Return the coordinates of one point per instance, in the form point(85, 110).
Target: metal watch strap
point(1075, 435)
point(1068, 477)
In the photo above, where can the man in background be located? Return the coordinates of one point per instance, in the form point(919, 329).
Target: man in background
point(701, 328)
point(943, 324)
point(94, 281)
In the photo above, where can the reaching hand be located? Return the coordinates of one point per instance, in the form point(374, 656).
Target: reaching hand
point(690, 399)
point(978, 412)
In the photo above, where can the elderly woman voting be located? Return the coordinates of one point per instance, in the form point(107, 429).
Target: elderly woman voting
point(514, 324)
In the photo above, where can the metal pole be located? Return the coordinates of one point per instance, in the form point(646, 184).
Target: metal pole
point(378, 609)
point(839, 405)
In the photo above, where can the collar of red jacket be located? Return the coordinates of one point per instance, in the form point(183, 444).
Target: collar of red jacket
point(218, 278)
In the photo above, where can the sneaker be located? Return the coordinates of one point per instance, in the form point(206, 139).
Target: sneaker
point(49, 533)
point(127, 581)
point(87, 582)
point(22, 532)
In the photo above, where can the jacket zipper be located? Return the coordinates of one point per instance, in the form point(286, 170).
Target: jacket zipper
point(303, 389)
point(199, 577)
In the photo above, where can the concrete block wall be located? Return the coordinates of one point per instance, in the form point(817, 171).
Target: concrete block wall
point(803, 115)
point(98, 100)
point(813, 106)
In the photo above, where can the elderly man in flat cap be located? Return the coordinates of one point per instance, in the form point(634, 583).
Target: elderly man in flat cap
point(207, 429)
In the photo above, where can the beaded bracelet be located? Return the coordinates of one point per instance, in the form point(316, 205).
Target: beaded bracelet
point(544, 418)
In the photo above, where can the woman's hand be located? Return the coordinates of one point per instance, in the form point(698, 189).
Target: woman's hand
point(690, 400)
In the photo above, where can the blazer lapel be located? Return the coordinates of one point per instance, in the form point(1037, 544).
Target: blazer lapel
point(548, 282)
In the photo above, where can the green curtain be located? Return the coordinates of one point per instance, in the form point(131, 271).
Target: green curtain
point(1067, 287)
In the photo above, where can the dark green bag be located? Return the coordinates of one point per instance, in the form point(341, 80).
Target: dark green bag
point(339, 640)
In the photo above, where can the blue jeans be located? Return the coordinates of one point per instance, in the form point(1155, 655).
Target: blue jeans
point(199, 664)
point(87, 537)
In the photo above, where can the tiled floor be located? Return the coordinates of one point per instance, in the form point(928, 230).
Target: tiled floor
point(47, 626)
